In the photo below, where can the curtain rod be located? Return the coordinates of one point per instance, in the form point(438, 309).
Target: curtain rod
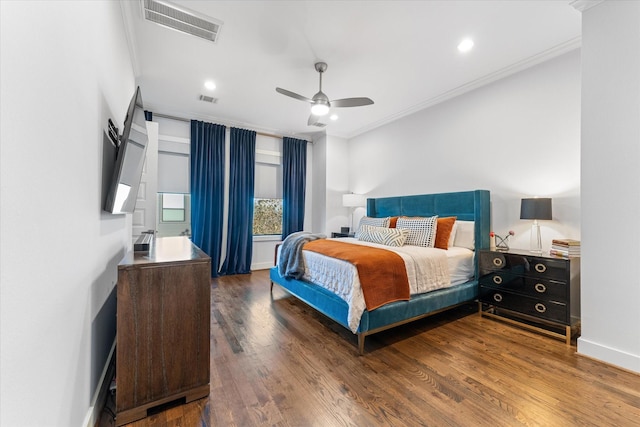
point(182, 119)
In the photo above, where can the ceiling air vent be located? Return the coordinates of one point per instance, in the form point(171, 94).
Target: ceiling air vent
point(210, 99)
point(181, 19)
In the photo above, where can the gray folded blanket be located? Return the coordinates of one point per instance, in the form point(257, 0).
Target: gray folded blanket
point(291, 263)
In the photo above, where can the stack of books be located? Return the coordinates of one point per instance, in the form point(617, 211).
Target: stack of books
point(565, 248)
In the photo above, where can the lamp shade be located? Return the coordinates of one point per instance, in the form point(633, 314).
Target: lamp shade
point(353, 200)
point(536, 208)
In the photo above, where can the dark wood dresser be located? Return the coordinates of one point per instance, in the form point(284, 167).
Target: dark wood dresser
point(163, 324)
point(541, 292)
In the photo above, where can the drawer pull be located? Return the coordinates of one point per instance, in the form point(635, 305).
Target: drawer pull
point(497, 297)
point(497, 280)
point(540, 268)
point(540, 288)
point(540, 308)
point(498, 262)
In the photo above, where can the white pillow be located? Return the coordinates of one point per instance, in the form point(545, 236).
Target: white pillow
point(452, 236)
point(422, 231)
point(465, 235)
point(383, 235)
point(376, 222)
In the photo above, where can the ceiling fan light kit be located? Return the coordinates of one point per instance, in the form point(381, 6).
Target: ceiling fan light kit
point(319, 109)
point(320, 103)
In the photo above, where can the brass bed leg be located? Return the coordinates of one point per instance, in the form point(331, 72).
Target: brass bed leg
point(361, 337)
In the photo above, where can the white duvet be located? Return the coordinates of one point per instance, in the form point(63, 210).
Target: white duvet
point(428, 269)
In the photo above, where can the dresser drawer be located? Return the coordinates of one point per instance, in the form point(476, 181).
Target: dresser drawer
point(524, 265)
point(536, 307)
point(550, 290)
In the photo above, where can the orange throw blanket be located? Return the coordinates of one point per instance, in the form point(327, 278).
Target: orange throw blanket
point(383, 275)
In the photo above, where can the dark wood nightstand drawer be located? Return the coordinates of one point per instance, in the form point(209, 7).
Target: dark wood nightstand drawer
point(550, 290)
point(530, 288)
point(518, 264)
point(539, 308)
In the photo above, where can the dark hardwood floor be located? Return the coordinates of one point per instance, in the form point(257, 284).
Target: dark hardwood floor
point(277, 362)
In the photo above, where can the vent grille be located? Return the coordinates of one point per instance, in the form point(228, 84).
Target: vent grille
point(318, 124)
point(181, 19)
point(210, 99)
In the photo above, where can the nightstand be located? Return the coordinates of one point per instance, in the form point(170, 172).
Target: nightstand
point(536, 291)
point(335, 234)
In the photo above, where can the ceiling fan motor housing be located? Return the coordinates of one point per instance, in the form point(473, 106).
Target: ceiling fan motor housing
point(320, 103)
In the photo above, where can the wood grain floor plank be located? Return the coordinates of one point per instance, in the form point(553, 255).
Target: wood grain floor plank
point(277, 362)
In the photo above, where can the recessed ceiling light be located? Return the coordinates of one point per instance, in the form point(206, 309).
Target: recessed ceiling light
point(465, 45)
point(334, 117)
point(209, 84)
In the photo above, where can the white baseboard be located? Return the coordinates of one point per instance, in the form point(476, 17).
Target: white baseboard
point(612, 356)
point(261, 266)
point(100, 394)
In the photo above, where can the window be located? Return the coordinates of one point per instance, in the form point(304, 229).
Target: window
point(267, 202)
point(267, 217)
point(172, 207)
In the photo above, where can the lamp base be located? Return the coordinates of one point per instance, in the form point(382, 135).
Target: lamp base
point(536, 239)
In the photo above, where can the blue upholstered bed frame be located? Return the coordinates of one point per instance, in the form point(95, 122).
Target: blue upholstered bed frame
point(466, 206)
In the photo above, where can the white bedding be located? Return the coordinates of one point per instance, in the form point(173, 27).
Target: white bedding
point(428, 269)
point(460, 264)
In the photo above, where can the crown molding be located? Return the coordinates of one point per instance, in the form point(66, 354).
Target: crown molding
point(538, 58)
point(582, 5)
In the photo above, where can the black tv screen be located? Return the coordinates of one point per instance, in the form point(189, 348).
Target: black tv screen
point(131, 153)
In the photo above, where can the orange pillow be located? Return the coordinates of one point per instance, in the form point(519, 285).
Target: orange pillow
point(443, 232)
point(392, 221)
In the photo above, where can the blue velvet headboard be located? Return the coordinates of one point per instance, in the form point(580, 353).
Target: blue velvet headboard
point(465, 205)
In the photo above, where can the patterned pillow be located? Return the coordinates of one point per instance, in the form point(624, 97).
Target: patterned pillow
point(376, 222)
point(383, 236)
point(422, 231)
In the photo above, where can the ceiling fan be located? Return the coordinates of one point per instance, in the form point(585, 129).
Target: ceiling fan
point(320, 103)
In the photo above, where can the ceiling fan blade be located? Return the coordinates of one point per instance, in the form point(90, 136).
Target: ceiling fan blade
point(351, 102)
point(314, 121)
point(292, 94)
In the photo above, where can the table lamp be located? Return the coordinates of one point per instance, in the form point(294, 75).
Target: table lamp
point(536, 209)
point(353, 201)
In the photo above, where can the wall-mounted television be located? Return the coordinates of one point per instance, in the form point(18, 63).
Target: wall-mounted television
point(131, 152)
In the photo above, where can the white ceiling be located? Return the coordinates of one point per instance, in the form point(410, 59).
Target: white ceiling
point(401, 54)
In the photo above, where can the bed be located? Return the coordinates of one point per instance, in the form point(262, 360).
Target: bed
point(465, 206)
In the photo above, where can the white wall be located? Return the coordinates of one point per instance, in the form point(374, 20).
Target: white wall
point(331, 179)
point(319, 186)
point(65, 70)
point(610, 183)
point(517, 137)
point(337, 184)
